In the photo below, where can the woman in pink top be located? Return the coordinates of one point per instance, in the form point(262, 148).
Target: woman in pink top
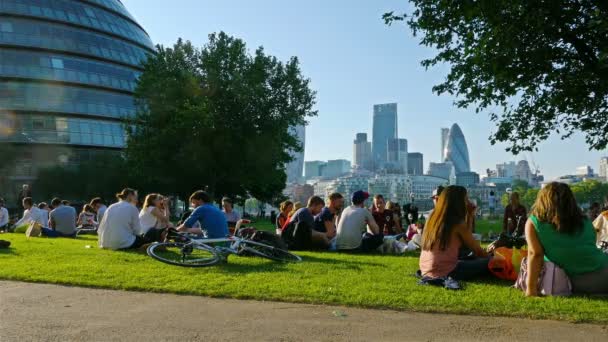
point(448, 229)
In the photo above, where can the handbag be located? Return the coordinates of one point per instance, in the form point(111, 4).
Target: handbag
point(553, 280)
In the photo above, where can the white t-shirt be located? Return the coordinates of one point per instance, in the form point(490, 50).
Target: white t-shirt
point(32, 215)
point(119, 226)
point(3, 217)
point(45, 217)
point(147, 220)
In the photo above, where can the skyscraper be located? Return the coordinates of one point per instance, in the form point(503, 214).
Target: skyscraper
point(68, 69)
point(295, 168)
point(362, 152)
point(397, 156)
point(456, 150)
point(415, 164)
point(604, 168)
point(385, 129)
point(445, 132)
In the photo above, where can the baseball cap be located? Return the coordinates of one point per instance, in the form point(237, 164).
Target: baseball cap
point(437, 191)
point(360, 196)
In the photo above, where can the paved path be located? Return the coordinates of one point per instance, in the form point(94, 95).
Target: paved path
point(35, 312)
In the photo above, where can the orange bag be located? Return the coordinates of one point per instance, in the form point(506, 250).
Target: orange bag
point(506, 262)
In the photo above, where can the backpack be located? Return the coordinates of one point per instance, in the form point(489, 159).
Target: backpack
point(297, 236)
point(553, 281)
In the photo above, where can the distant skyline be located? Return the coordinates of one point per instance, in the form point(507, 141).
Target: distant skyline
point(354, 62)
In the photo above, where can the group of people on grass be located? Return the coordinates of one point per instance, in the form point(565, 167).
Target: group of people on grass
point(555, 230)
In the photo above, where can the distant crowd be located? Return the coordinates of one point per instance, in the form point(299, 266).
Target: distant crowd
point(555, 229)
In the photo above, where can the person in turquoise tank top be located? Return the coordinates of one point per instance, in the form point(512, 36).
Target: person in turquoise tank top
point(558, 231)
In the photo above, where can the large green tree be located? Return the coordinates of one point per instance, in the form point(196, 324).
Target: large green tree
point(217, 117)
point(538, 66)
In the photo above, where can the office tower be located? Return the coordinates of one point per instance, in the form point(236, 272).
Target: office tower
point(415, 164)
point(604, 168)
point(335, 168)
point(445, 133)
point(584, 171)
point(362, 152)
point(506, 170)
point(444, 170)
point(313, 169)
point(295, 168)
point(397, 156)
point(523, 171)
point(385, 129)
point(467, 179)
point(68, 70)
point(456, 150)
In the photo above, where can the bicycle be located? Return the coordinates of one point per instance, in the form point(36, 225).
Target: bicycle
point(190, 251)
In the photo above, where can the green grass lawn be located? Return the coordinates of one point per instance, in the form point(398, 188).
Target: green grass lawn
point(373, 281)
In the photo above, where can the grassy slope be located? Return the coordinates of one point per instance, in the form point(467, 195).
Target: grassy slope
point(327, 278)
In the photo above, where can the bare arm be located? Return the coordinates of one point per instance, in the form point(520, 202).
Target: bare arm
point(466, 235)
point(372, 226)
point(161, 216)
point(536, 254)
point(330, 228)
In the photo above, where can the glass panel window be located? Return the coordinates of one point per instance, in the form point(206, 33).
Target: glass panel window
point(57, 63)
point(6, 27)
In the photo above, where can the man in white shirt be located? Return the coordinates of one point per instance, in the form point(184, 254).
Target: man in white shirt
point(4, 217)
point(31, 214)
point(357, 230)
point(120, 225)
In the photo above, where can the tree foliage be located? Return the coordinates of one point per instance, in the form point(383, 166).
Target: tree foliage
point(585, 193)
point(217, 117)
point(538, 66)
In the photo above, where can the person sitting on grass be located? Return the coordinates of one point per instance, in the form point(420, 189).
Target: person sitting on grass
point(46, 211)
point(296, 206)
point(151, 216)
point(447, 230)
point(212, 220)
point(384, 218)
point(232, 217)
point(306, 216)
point(86, 219)
point(285, 208)
point(515, 216)
point(558, 231)
point(325, 221)
point(99, 207)
point(31, 214)
point(120, 226)
point(357, 230)
point(4, 216)
point(62, 220)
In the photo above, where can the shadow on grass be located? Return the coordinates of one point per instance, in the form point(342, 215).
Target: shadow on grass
point(8, 251)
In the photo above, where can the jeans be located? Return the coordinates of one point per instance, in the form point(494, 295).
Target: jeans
point(55, 234)
point(469, 269)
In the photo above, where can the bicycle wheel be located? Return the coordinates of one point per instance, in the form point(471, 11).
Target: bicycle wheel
point(268, 252)
point(184, 254)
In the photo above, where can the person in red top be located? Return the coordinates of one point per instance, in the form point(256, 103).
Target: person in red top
point(515, 217)
point(384, 218)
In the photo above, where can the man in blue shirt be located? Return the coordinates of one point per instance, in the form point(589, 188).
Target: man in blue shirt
point(210, 218)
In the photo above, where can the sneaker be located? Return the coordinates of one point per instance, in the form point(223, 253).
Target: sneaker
point(33, 230)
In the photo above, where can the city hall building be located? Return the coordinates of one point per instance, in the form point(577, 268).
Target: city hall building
point(68, 69)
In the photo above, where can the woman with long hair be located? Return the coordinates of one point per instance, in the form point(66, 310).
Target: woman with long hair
point(448, 229)
point(558, 231)
point(86, 219)
point(284, 210)
point(152, 214)
point(515, 216)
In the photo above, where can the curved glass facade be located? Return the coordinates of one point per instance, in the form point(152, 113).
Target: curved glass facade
point(68, 69)
point(457, 150)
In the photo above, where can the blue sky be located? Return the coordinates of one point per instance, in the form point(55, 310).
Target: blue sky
point(354, 62)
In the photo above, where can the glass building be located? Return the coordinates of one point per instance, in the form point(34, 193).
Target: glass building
point(385, 129)
point(456, 150)
point(68, 69)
